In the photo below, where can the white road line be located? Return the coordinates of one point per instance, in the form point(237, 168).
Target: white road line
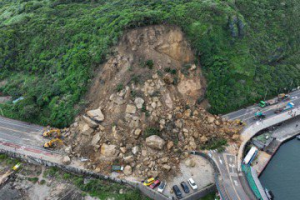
point(220, 160)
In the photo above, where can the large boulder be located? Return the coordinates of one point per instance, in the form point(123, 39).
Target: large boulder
point(96, 138)
point(66, 160)
point(155, 142)
point(130, 109)
point(85, 129)
point(90, 122)
point(127, 170)
point(139, 102)
point(96, 115)
point(190, 163)
point(109, 151)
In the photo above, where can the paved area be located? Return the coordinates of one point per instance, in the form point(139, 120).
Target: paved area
point(286, 129)
point(261, 161)
point(202, 173)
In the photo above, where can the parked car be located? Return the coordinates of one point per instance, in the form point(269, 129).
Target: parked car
point(155, 184)
point(185, 187)
point(192, 184)
point(162, 186)
point(177, 191)
point(117, 168)
point(149, 181)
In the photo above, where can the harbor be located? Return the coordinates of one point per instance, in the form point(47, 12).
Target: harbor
point(269, 150)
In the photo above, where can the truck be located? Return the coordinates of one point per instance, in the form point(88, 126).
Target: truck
point(263, 104)
point(288, 106)
point(280, 97)
point(259, 115)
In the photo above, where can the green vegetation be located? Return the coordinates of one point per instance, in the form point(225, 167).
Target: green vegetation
point(215, 143)
point(49, 49)
point(33, 179)
point(151, 131)
point(211, 196)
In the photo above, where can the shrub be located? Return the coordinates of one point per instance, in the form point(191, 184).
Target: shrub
point(119, 87)
point(149, 64)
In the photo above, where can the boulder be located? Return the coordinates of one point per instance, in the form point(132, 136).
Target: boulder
point(139, 102)
point(96, 115)
point(236, 137)
point(210, 119)
point(203, 139)
point(137, 133)
point(117, 99)
point(155, 142)
point(68, 150)
point(123, 149)
point(128, 159)
point(170, 144)
point(190, 163)
point(127, 170)
point(166, 167)
point(109, 150)
point(66, 160)
point(86, 130)
point(96, 138)
point(90, 122)
point(130, 109)
point(135, 150)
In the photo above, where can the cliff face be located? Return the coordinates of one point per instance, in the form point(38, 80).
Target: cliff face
point(143, 107)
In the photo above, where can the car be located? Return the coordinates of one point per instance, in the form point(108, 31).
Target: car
point(155, 184)
point(192, 184)
point(162, 186)
point(149, 181)
point(185, 187)
point(177, 191)
point(117, 168)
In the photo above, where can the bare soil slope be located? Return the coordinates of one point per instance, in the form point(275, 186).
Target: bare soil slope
point(143, 110)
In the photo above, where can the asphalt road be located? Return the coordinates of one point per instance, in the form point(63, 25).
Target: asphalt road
point(247, 114)
point(227, 163)
point(23, 135)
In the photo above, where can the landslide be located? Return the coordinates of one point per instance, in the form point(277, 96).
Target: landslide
point(49, 49)
point(144, 110)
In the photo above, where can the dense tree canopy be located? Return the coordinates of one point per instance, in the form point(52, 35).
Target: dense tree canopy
point(48, 48)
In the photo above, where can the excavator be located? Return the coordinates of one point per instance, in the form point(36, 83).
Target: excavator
point(53, 143)
point(51, 132)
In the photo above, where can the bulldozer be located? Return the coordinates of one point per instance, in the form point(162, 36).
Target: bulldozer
point(52, 132)
point(53, 143)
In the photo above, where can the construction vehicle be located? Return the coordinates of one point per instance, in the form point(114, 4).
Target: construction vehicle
point(280, 97)
point(263, 104)
point(283, 97)
point(259, 115)
point(53, 143)
point(288, 106)
point(5, 177)
point(52, 132)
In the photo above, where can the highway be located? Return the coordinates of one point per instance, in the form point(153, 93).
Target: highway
point(247, 114)
point(27, 138)
point(23, 136)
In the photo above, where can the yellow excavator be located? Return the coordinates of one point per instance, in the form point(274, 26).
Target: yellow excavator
point(53, 143)
point(52, 132)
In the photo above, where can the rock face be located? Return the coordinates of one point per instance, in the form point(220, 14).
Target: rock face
point(96, 115)
point(155, 142)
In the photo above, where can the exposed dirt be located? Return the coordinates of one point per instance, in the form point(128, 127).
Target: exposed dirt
point(144, 109)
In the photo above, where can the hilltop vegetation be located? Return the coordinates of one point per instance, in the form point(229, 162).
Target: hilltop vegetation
point(50, 48)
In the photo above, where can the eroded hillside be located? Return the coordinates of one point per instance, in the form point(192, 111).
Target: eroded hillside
point(144, 109)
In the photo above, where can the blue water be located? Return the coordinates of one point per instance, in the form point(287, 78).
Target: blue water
point(282, 175)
